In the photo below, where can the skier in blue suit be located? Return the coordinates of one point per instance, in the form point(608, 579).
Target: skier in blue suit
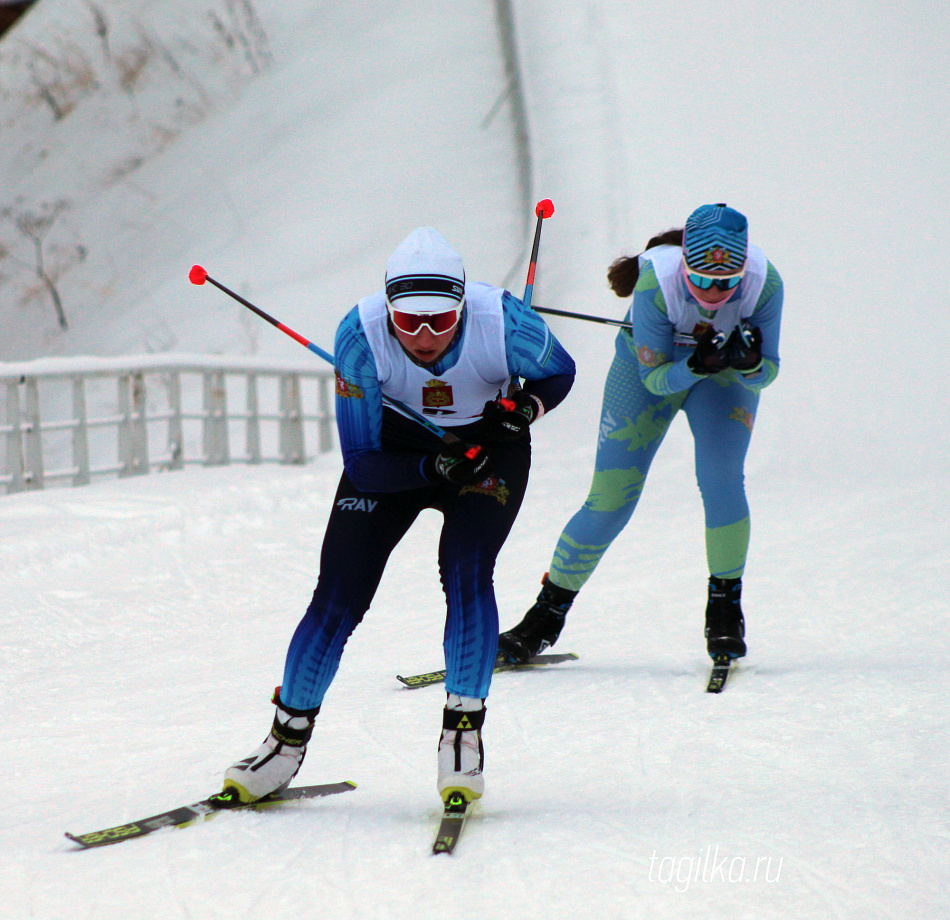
point(706, 315)
point(455, 352)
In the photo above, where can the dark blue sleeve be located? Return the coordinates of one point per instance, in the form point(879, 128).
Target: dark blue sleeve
point(534, 354)
point(359, 418)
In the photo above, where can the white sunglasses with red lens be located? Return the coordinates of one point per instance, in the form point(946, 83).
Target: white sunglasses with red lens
point(436, 323)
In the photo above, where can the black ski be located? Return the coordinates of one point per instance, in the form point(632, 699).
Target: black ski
point(719, 674)
point(206, 808)
point(454, 814)
point(436, 677)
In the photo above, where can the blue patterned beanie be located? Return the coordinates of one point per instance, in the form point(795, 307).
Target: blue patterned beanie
point(716, 237)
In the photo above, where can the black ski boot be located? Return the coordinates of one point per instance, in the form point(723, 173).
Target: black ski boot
point(725, 625)
point(541, 625)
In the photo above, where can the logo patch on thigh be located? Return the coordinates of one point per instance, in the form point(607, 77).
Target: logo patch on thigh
point(492, 486)
point(743, 415)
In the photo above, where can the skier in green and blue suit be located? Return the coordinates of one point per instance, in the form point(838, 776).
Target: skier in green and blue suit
point(704, 337)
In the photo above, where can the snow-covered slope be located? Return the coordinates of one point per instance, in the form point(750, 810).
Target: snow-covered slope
point(142, 624)
point(145, 623)
point(291, 169)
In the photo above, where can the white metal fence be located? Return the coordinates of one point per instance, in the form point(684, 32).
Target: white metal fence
point(71, 421)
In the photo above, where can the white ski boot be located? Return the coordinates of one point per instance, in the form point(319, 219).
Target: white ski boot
point(461, 755)
point(276, 762)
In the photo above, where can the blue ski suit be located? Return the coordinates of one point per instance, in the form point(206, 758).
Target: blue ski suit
point(384, 486)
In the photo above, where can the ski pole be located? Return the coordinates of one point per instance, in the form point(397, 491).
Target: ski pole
point(544, 208)
point(592, 319)
point(199, 275)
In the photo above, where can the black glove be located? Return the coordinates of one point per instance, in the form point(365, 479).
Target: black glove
point(467, 465)
point(744, 349)
point(709, 356)
point(508, 419)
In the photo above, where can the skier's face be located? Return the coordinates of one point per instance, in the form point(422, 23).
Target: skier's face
point(711, 299)
point(425, 346)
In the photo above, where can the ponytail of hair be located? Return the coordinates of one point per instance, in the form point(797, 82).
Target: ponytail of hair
point(623, 272)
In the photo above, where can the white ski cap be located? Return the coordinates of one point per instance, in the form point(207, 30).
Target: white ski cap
point(425, 274)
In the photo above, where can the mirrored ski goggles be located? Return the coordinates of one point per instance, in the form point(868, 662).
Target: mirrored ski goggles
point(436, 323)
point(705, 280)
